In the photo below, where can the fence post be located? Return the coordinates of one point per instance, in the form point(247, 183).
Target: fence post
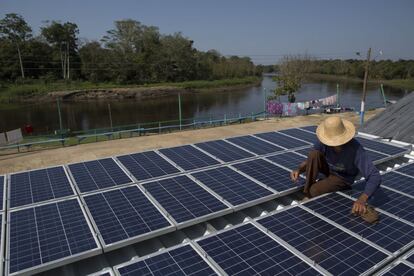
point(110, 116)
point(159, 127)
point(179, 108)
point(60, 118)
point(383, 95)
point(225, 119)
point(264, 103)
point(337, 95)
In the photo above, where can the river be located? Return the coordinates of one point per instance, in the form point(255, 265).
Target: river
point(94, 114)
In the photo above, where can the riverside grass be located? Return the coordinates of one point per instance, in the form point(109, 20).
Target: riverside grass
point(10, 92)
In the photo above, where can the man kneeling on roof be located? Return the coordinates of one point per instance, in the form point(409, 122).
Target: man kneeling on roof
point(340, 158)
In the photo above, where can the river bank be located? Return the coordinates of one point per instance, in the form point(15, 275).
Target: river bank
point(63, 155)
point(78, 91)
point(407, 84)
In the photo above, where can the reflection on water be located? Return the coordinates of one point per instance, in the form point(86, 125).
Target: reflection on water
point(94, 114)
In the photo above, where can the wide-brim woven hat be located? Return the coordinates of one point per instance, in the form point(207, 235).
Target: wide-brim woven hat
point(335, 131)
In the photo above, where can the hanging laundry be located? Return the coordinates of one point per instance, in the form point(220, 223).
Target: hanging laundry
point(274, 107)
point(290, 109)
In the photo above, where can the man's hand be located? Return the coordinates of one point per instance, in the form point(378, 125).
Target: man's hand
point(294, 175)
point(360, 205)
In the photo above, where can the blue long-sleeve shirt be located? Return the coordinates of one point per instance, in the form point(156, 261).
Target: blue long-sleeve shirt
point(351, 160)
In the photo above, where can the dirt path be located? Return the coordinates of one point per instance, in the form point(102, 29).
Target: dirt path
point(58, 156)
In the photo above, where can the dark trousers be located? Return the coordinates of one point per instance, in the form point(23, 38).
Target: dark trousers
point(316, 164)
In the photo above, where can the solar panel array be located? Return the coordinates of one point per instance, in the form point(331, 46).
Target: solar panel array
point(395, 203)
point(408, 170)
point(97, 174)
point(246, 250)
point(183, 260)
point(399, 182)
point(42, 234)
point(391, 234)
point(124, 214)
point(146, 165)
point(178, 187)
point(255, 145)
point(380, 147)
point(38, 185)
point(282, 140)
point(224, 150)
point(188, 157)
point(333, 249)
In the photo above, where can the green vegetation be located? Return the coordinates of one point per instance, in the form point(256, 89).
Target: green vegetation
point(34, 88)
point(130, 54)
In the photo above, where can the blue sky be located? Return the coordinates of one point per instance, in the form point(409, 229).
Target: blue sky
point(262, 29)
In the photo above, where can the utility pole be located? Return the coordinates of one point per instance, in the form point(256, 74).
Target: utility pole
point(60, 117)
point(179, 109)
point(67, 54)
point(20, 59)
point(110, 116)
point(364, 88)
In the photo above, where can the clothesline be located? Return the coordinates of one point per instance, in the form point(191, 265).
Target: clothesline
point(291, 109)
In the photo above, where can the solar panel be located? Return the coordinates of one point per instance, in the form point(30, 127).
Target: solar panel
point(397, 269)
point(310, 128)
point(408, 170)
point(47, 236)
point(391, 234)
point(392, 202)
point(375, 156)
point(2, 237)
point(2, 192)
point(269, 174)
point(184, 199)
point(98, 174)
point(181, 260)
point(289, 160)
point(146, 165)
point(380, 146)
point(124, 215)
point(282, 140)
point(410, 257)
point(188, 157)
point(38, 185)
point(399, 182)
point(232, 186)
point(328, 246)
point(246, 250)
point(301, 134)
point(224, 151)
point(255, 145)
point(305, 151)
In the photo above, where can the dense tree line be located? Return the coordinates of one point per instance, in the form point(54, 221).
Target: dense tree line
point(382, 69)
point(130, 53)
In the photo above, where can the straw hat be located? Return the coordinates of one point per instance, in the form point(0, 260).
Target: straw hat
point(335, 131)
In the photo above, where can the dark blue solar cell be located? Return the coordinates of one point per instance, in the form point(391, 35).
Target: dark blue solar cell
point(232, 186)
point(124, 213)
point(399, 182)
point(282, 140)
point(38, 185)
point(188, 157)
point(333, 249)
point(184, 199)
point(411, 257)
point(2, 184)
point(246, 250)
point(146, 165)
point(390, 234)
point(400, 269)
point(394, 203)
point(288, 160)
point(98, 174)
point(183, 261)
point(380, 146)
point(301, 134)
point(224, 151)
point(255, 145)
point(46, 233)
point(269, 174)
point(408, 170)
point(310, 128)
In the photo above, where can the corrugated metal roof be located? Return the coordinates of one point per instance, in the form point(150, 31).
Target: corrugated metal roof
point(396, 121)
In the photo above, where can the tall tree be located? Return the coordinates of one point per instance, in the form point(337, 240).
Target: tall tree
point(14, 28)
point(64, 38)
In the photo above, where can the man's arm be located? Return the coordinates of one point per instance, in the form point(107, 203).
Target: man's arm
point(372, 178)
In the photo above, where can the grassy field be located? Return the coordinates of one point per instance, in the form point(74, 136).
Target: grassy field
point(397, 83)
point(10, 92)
